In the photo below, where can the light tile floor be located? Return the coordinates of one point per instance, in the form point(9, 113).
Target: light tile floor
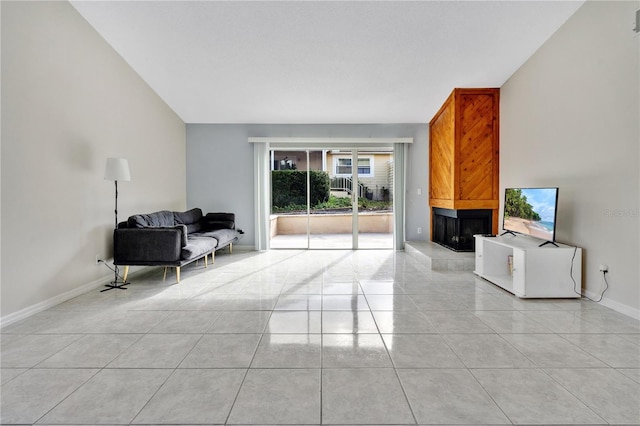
point(319, 337)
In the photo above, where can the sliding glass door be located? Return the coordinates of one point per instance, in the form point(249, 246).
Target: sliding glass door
point(319, 200)
point(331, 222)
point(290, 199)
point(375, 198)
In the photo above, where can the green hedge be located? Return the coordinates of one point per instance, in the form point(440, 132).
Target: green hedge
point(289, 187)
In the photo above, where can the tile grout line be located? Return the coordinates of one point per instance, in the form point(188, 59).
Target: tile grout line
point(246, 373)
point(546, 373)
point(393, 365)
point(489, 395)
point(68, 396)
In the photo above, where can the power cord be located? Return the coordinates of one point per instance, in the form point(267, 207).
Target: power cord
point(606, 286)
point(104, 262)
point(575, 285)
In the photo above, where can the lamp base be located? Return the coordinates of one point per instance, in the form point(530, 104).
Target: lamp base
point(115, 284)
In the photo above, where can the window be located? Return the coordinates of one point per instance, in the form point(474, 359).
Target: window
point(343, 166)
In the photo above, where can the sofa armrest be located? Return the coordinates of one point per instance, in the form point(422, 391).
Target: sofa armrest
point(147, 246)
point(183, 234)
point(213, 221)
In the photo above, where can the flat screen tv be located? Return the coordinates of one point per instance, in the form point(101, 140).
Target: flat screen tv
point(531, 211)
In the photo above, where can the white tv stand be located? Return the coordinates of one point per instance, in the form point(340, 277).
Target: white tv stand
point(535, 271)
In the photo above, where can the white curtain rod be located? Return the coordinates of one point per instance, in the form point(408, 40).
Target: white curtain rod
point(329, 140)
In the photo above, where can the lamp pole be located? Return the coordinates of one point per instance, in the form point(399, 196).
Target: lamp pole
point(117, 169)
point(116, 209)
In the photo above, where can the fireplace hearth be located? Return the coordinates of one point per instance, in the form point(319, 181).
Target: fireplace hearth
point(455, 229)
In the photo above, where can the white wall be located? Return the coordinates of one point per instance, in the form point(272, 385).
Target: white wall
point(570, 118)
point(220, 166)
point(69, 102)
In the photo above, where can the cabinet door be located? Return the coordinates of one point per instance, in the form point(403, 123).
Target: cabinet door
point(519, 272)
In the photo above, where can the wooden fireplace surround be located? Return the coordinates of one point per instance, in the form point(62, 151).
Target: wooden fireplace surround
point(464, 152)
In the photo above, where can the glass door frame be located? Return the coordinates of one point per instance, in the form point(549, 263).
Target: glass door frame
point(262, 190)
point(353, 196)
point(354, 200)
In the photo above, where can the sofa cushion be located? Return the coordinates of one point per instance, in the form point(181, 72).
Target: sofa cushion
point(191, 218)
point(198, 246)
point(219, 224)
point(223, 236)
point(162, 218)
point(194, 227)
point(213, 221)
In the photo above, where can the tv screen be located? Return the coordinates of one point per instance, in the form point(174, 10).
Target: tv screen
point(531, 211)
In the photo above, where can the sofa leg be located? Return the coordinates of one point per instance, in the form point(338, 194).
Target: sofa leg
point(230, 248)
point(177, 273)
point(164, 275)
point(206, 260)
point(125, 273)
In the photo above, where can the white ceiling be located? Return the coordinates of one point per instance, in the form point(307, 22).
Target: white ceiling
point(321, 61)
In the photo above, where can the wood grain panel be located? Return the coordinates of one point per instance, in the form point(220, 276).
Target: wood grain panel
point(464, 152)
point(475, 204)
point(474, 108)
point(441, 155)
point(476, 148)
point(443, 204)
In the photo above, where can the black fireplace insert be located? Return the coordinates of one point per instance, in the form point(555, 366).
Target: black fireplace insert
point(455, 229)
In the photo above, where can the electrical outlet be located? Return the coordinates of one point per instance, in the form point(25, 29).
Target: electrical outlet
point(419, 230)
point(604, 268)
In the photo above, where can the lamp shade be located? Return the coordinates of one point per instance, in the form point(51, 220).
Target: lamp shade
point(117, 169)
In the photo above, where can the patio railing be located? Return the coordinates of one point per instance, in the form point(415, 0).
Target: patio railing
point(346, 184)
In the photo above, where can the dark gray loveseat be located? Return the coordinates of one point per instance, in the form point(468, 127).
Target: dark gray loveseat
point(172, 239)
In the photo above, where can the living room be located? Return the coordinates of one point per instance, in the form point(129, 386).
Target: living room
point(569, 117)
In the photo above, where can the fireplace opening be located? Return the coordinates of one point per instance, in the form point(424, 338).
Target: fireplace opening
point(455, 229)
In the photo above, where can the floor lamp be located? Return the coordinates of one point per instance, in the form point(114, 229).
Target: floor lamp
point(116, 169)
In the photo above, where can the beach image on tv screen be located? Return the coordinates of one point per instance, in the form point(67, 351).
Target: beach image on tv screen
point(531, 211)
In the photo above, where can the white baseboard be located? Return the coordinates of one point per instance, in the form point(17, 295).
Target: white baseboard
point(56, 300)
point(49, 303)
point(616, 306)
point(61, 298)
